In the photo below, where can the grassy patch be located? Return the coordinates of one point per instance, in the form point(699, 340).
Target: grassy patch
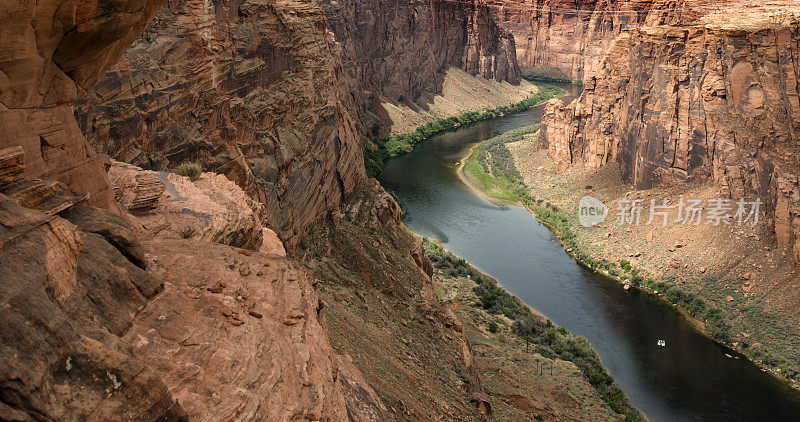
point(552, 79)
point(496, 187)
point(190, 170)
point(492, 165)
point(542, 335)
point(379, 150)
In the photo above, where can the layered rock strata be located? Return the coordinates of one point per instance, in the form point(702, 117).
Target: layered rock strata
point(251, 90)
point(212, 208)
point(99, 325)
point(697, 103)
point(257, 90)
point(69, 295)
point(569, 39)
point(52, 52)
point(396, 49)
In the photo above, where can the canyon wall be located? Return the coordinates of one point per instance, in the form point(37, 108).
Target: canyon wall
point(261, 91)
point(249, 89)
point(569, 38)
point(103, 320)
point(396, 50)
point(52, 52)
point(695, 103)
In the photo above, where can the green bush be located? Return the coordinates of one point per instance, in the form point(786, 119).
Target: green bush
point(715, 322)
point(190, 170)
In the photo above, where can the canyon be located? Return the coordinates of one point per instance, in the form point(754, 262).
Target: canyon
point(706, 108)
point(395, 51)
point(675, 91)
point(214, 84)
point(135, 293)
point(281, 283)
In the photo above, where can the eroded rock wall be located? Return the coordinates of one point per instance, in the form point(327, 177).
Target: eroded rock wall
point(100, 325)
point(569, 38)
point(679, 104)
point(69, 294)
point(52, 52)
point(260, 91)
point(250, 89)
point(396, 49)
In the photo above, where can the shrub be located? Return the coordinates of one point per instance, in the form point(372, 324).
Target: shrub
point(493, 327)
point(190, 170)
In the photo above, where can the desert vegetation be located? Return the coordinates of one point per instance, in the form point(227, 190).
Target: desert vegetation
point(190, 170)
point(540, 334)
point(380, 149)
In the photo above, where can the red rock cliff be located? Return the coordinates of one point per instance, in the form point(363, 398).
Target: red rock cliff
point(96, 325)
point(673, 104)
point(396, 49)
point(257, 90)
point(250, 89)
point(52, 52)
point(569, 38)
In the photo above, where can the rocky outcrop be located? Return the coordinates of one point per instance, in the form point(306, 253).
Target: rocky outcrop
point(250, 89)
point(12, 164)
point(674, 104)
point(97, 325)
point(135, 190)
point(69, 296)
point(211, 208)
point(569, 39)
point(235, 335)
point(396, 49)
point(52, 52)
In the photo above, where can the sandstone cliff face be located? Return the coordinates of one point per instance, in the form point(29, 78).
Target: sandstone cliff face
point(51, 53)
point(674, 104)
point(257, 90)
point(69, 293)
point(100, 326)
point(568, 38)
point(250, 89)
point(396, 49)
point(235, 335)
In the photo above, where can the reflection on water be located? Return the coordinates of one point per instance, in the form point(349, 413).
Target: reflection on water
point(690, 379)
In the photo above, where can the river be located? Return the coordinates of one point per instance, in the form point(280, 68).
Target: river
point(690, 379)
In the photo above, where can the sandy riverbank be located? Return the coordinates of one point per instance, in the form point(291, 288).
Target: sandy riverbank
point(473, 184)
